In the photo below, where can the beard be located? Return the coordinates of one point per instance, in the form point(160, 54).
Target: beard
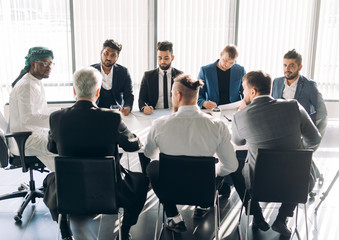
point(292, 76)
point(107, 63)
point(165, 67)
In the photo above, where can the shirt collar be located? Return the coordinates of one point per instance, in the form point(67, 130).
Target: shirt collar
point(167, 71)
point(191, 108)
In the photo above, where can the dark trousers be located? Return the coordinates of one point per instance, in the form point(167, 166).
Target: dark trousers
point(285, 210)
point(153, 175)
point(144, 161)
point(131, 194)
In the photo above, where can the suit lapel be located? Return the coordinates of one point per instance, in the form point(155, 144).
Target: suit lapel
point(299, 87)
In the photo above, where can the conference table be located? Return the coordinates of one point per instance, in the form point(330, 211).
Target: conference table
point(140, 124)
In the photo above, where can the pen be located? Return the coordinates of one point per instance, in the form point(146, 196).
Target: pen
point(228, 118)
point(146, 104)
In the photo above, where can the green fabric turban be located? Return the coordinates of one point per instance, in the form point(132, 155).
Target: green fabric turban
point(34, 54)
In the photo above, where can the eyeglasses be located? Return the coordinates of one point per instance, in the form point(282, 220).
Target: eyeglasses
point(46, 64)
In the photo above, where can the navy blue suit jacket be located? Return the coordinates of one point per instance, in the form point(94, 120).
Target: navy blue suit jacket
point(122, 89)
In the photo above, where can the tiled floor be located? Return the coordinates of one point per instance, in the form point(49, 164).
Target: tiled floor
point(38, 225)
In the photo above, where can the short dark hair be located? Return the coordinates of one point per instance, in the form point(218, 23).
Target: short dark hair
point(293, 54)
point(259, 80)
point(112, 44)
point(165, 46)
point(232, 51)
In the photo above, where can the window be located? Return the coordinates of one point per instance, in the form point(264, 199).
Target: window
point(34, 23)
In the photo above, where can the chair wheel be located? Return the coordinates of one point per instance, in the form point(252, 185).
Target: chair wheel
point(20, 188)
point(312, 194)
point(17, 218)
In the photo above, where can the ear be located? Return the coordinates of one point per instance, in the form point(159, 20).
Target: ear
point(221, 54)
point(172, 57)
point(75, 93)
point(300, 67)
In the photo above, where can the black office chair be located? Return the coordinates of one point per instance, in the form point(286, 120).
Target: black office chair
point(27, 163)
point(281, 176)
point(188, 180)
point(86, 186)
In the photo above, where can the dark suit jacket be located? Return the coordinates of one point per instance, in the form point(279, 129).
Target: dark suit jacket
point(86, 130)
point(122, 88)
point(307, 95)
point(274, 124)
point(149, 88)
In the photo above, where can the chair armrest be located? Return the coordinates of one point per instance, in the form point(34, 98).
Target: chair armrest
point(20, 139)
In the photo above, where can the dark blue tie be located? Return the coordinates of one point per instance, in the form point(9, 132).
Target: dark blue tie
point(165, 91)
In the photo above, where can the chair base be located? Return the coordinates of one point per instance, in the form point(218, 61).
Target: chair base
point(29, 196)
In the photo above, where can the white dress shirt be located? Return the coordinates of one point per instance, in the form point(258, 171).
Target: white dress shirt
point(160, 103)
point(28, 111)
point(194, 133)
point(289, 90)
point(107, 79)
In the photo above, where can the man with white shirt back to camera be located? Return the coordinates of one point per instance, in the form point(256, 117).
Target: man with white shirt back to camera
point(28, 109)
point(188, 131)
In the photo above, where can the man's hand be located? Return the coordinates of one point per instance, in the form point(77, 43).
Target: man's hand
point(209, 105)
point(148, 110)
point(242, 105)
point(125, 111)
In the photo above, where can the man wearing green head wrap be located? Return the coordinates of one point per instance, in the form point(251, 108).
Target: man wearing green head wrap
point(28, 106)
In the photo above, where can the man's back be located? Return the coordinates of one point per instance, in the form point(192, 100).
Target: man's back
point(86, 130)
point(270, 123)
point(191, 132)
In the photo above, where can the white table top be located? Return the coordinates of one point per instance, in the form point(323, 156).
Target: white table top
point(140, 124)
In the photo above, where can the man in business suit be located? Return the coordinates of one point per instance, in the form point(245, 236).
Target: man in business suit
point(268, 123)
point(156, 84)
point(86, 130)
point(295, 86)
point(116, 90)
point(222, 80)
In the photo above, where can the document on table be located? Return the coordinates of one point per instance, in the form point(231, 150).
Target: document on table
point(230, 106)
point(156, 113)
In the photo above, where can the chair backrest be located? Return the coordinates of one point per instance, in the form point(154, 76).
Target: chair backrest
point(187, 180)
point(282, 175)
point(86, 185)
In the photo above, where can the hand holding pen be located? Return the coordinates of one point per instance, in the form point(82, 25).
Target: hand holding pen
point(148, 110)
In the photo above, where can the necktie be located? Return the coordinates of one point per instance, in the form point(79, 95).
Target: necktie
point(165, 91)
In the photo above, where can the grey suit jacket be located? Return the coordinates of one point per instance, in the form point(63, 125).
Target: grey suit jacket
point(274, 124)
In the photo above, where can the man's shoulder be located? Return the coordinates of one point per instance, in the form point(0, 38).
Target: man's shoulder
point(118, 67)
point(210, 66)
point(279, 79)
point(176, 71)
point(151, 72)
point(307, 81)
point(238, 67)
point(96, 66)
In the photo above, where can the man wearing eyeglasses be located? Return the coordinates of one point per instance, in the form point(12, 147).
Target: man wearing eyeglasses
point(116, 90)
point(28, 106)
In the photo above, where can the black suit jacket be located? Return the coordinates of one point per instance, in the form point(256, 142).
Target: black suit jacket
point(86, 130)
point(122, 88)
point(149, 88)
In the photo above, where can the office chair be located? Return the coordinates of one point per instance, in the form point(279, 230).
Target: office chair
point(281, 176)
point(188, 180)
point(86, 186)
point(27, 163)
